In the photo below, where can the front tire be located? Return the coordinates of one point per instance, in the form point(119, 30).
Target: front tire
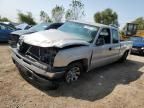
point(73, 72)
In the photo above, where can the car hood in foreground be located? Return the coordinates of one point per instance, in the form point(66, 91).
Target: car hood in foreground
point(53, 38)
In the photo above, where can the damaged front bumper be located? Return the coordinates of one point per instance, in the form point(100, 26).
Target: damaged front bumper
point(36, 71)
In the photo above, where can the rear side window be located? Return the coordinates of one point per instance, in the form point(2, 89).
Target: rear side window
point(115, 36)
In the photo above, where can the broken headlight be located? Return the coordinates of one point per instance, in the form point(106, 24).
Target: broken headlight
point(47, 55)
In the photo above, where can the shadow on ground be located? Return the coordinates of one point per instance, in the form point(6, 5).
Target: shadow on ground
point(136, 54)
point(100, 82)
point(3, 43)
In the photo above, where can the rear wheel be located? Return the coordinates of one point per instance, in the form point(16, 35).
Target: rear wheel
point(73, 72)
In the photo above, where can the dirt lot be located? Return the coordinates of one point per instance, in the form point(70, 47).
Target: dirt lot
point(119, 85)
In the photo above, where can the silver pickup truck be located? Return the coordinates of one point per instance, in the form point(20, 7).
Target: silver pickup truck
point(65, 53)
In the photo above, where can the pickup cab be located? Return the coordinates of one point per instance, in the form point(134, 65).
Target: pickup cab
point(67, 52)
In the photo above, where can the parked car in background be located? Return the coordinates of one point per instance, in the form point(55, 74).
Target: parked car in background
point(138, 45)
point(5, 31)
point(11, 24)
point(39, 27)
point(23, 26)
point(73, 48)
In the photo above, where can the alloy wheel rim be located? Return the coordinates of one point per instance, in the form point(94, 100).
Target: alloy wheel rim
point(73, 74)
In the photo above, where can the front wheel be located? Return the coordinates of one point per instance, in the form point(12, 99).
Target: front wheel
point(73, 72)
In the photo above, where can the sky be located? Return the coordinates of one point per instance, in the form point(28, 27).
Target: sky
point(127, 10)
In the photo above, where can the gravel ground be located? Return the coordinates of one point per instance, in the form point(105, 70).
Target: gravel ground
point(118, 85)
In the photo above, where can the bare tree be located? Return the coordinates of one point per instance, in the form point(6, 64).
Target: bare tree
point(76, 10)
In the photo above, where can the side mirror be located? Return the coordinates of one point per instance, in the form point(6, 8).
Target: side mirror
point(100, 42)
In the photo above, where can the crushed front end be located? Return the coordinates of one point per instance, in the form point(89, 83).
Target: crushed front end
point(36, 63)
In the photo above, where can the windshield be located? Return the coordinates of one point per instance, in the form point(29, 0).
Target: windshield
point(137, 39)
point(39, 27)
point(83, 31)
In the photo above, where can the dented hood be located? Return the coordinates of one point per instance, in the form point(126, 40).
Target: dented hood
point(52, 38)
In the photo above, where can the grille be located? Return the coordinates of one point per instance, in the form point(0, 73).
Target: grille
point(45, 55)
point(23, 48)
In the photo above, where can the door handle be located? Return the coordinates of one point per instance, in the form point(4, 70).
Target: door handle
point(110, 49)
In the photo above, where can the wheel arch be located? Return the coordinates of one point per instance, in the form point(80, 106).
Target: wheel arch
point(83, 61)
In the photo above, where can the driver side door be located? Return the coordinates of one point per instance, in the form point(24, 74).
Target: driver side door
point(102, 49)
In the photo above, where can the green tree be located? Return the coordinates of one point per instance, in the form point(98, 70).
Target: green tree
point(4, 19)
point(140, 22)
point(76, 10)
point(26, 18)
point(108, 16)
point(58, 13)
point(44, 17)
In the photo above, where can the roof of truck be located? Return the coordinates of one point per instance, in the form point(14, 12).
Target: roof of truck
point(94, 24)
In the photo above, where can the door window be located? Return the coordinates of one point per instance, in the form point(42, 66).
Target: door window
point(115, 36)
point(104, 37)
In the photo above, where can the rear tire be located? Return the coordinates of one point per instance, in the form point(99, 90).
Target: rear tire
point(73, 72)
point(124, 57)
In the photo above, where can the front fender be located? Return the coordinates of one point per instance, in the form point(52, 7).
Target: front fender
point(65, 57)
